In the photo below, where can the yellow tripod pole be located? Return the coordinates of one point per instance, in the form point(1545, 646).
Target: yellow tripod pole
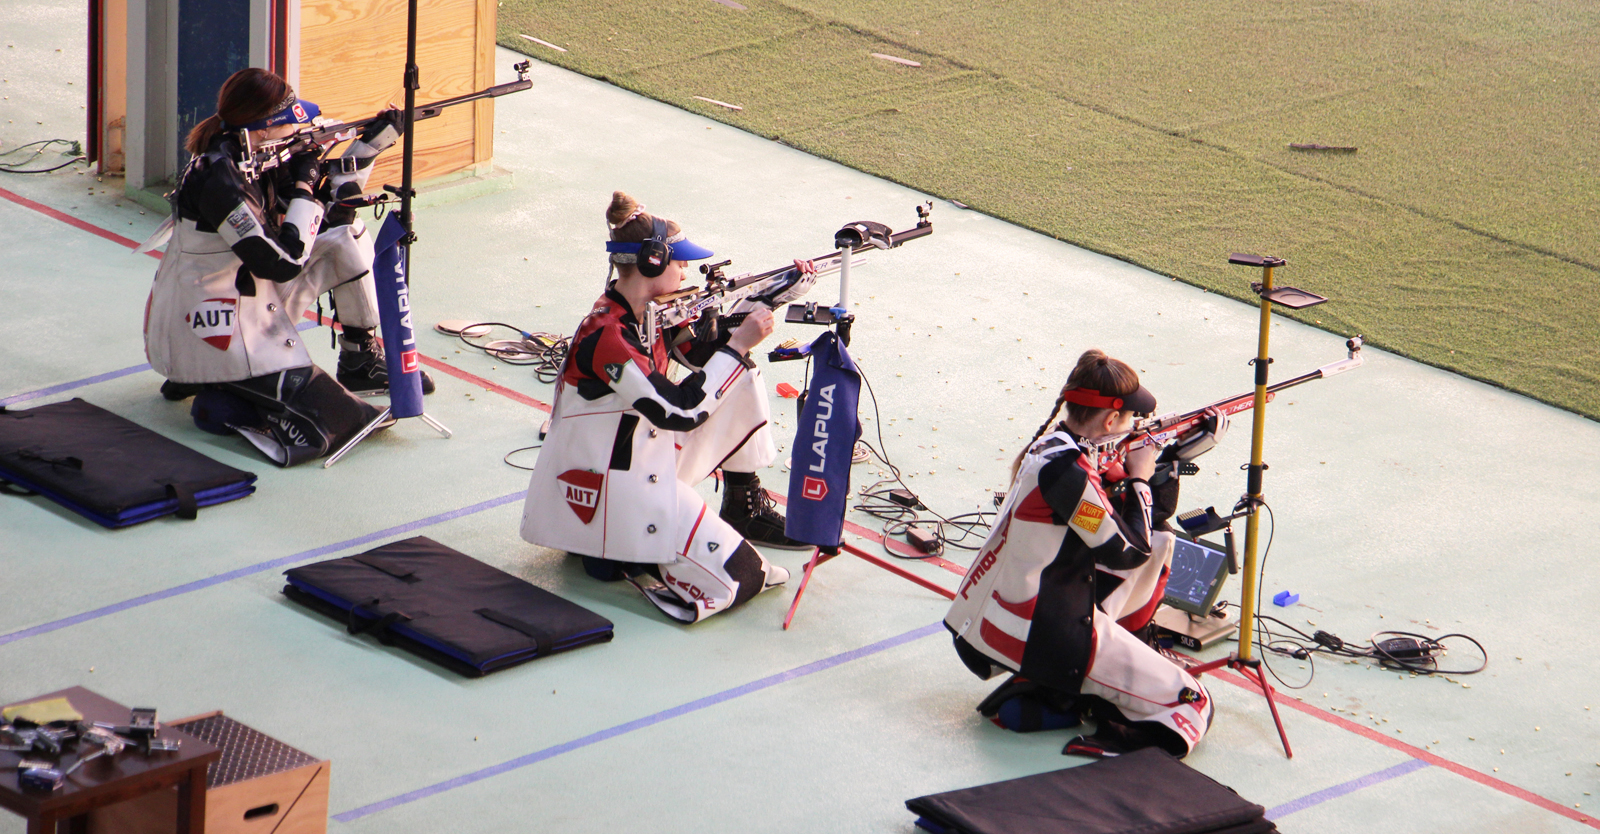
point(1252, 499)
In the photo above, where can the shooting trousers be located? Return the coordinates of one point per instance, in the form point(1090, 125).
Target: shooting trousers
point(109, 469)
point(1143, 792)
point(445, 606)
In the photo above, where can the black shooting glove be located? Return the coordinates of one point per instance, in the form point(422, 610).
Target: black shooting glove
point(305, 168)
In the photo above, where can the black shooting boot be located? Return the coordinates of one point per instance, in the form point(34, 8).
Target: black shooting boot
point(751, 511)
point(362, 370)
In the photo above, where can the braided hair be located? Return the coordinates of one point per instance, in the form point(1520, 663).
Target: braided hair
point(1097, 371)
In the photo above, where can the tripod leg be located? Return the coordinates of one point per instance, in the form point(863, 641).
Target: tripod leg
point(1254, 673)
point(437, 426)
point(816, 559)
point(360, 436)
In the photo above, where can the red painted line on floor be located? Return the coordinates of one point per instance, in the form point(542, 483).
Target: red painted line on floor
point(1415, 752)
point(452, 370)
point(73, 221)
point(891, 544)
point(1346, 724)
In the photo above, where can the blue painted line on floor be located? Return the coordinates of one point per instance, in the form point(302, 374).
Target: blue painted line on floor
point(91, 380)
point(220, 578)
point(1349, 787)
point(641, 723)
point(68, 386)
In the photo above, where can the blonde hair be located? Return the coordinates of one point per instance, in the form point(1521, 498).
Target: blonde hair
point(1095, 370)
point(630, 222)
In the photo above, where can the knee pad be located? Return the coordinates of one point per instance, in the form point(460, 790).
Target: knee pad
point(218, 412)
point(302, 414)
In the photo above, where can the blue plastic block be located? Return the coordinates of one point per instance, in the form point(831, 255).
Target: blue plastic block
point(1284, 599)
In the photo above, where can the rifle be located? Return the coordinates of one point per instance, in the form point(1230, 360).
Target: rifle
point(1168, 427)
point(324, 133)
point(702, 305)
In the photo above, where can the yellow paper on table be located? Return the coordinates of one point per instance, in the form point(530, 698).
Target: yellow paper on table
point(43, 712)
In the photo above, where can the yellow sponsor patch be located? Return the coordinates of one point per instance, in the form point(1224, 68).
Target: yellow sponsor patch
point(1088, 517)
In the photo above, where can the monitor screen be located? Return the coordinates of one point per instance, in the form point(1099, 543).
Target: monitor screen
point(1198, 570)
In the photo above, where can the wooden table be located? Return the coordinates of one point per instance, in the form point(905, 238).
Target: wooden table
point(107, 780)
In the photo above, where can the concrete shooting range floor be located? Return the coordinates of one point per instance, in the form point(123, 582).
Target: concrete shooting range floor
point(1402, 497)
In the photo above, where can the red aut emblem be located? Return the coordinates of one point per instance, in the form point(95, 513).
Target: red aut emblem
point(581, 488)
point(214, 320)
point(815, 489)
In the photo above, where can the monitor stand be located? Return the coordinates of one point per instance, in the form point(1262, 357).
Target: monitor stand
point(1193, 632)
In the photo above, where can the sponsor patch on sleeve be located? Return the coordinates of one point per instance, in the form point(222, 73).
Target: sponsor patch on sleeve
point(1088, 517)
point(614, 370)
point(239, 224)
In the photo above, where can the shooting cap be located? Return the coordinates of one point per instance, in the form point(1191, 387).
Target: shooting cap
point(1139, 402)
point(290, 111)
point(679, 247)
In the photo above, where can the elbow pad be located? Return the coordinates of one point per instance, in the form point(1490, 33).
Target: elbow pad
point(305, 215)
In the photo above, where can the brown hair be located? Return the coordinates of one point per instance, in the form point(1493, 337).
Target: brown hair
point(1096, 371)
point(640, 228)
point(246, 96)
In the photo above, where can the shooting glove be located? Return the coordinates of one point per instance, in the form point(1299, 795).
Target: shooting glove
point(803, 283)
point(306, 167)
point(1202, 438)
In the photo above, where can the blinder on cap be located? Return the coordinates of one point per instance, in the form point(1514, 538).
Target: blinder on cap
point(1138, 402)
point(293, 111)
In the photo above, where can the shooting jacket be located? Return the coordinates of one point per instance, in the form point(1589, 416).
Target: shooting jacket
point(1027, 602)
point(238, 272)
point(613, 477)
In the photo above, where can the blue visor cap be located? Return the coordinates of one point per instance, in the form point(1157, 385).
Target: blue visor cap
point(299, 113)
point(678, 250)
point(684, 250)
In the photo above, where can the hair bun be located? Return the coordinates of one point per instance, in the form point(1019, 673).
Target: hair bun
point(622, 206)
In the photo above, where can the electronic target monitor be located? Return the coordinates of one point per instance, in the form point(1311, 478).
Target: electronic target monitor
point(1198, 571)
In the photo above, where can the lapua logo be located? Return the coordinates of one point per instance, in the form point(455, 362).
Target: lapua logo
point(819, 431)
point(581, 489)
point(214, 321)
point(408, 361)
point(814, 489)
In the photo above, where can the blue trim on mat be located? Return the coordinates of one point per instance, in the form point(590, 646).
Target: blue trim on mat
point(231, 575)
point(1349, 787)
point(640, 723)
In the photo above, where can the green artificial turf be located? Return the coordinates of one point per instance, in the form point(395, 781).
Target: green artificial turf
point(1464, 232)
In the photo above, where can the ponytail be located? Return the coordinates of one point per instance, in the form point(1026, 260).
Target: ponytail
point(248, 95)
point(1097, 371)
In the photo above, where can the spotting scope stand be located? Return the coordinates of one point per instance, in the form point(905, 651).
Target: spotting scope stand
point(1249, 505)
point(848, 241)
point(406, 191)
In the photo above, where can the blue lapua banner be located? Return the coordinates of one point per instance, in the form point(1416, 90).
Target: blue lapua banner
point(394, 316)
point(819, 467)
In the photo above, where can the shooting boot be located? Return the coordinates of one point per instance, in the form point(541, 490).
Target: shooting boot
point(750, 510)
point(363, 372)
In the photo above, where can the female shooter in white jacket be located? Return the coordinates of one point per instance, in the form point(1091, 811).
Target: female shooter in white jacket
point(615, 477)
point(250, 252)
point(1067, 574)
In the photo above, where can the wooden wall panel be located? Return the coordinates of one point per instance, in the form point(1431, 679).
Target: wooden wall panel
point(352, 64)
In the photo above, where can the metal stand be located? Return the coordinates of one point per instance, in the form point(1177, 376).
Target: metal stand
point(823, 554)
point(406, 192)
point(373, 426)
point(1250, 505)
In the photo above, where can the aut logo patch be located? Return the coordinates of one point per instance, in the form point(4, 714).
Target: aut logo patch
point(300, 113)
point(214, 320)
point(581, 489)
point(614, 370)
